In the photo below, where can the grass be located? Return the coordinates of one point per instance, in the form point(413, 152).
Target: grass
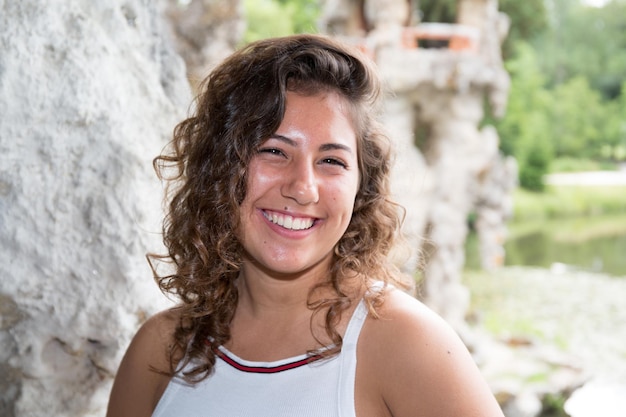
point(558, 202)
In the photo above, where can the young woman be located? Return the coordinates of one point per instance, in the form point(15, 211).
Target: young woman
point(278, 232)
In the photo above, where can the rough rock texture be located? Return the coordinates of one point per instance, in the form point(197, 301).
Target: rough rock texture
point(493, 204)
point(411, 179)
point(456, 150)
point(89, 94)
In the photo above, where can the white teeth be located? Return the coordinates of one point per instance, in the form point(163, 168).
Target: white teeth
point(289, 222)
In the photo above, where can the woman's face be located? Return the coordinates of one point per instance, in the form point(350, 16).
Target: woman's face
point(302, 183)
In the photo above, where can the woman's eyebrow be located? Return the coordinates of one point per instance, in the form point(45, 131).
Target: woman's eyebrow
point(285, 139)
point(324, 147)
point(335, 146)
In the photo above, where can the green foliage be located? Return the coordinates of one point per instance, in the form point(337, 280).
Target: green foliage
point(304, 14)
point(616, 126)
point(570, 120)
point(528, 20)
point(438, 10)
point(534, 166)
point(266, 18)
point(577, 130)
point(585, 41)
point(526, 120)
point(568, 94)
point(525, 130)
point(568, 201)
point(269, 18)
point(554, 405)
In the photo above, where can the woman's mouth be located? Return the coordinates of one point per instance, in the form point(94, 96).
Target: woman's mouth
point(289, 222)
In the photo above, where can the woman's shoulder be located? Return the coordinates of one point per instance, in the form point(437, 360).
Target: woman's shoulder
point(143, 373)
point(420, 362)
point(403, 318)
point(159, 328)
point(152, 343)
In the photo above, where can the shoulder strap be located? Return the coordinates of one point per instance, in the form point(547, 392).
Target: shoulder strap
point(347, 372)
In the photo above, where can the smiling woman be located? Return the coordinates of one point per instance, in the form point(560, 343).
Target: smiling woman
point(279, 228)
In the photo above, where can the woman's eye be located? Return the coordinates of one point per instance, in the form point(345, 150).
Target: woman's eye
point(333, 161)
point(271, 151)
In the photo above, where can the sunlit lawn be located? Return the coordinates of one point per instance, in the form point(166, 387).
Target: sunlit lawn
point(568, 201)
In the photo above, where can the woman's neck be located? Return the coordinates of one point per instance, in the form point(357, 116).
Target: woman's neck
point(274, 319)
point(266, 292)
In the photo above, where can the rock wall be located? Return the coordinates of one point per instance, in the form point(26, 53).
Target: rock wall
point(89, 94)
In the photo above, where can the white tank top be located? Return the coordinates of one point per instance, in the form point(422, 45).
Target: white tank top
point(294, 387)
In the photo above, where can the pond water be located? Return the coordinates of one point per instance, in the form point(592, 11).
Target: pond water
point(593, 244)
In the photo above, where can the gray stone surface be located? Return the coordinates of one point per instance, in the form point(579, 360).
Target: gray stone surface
point(89, 94)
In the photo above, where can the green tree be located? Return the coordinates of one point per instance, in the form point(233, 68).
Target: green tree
point(534, 165)
point(614, 144)
point(525, 129)
point(269, 18)
point(585, 41)
point(616, 126)
point(265, 19)
point(568, 87)
point(578, 120)
point(528, 20)
point(304, 14)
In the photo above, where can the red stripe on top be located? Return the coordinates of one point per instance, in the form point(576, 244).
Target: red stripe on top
point(262, 369)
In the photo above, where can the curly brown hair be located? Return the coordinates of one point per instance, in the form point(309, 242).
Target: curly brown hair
point(242, 103)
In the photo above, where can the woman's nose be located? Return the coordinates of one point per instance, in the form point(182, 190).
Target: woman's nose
point(300, 184)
